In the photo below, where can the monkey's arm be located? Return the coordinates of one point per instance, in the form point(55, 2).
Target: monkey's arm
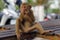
point(18, 31)
point(30, 16)
point(27, 18)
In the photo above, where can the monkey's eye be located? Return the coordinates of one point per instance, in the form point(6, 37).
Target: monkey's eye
point(25, 7)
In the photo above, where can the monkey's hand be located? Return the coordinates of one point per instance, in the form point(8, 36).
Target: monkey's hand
point(18, 36)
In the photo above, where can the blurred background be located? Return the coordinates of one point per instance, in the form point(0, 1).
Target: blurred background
point(43, 9)
point(50, 5)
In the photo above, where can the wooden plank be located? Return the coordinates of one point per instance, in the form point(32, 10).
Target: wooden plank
point(7, 33)
point(47, 25)
point(51, 23)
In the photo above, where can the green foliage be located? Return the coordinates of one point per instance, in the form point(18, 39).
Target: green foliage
point(55, 10)
point(17, 8)
point(38, 2)
point(42, 2)
point(31, 2)
point(1, 5)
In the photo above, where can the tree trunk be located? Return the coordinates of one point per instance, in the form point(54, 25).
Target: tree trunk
point(39, 12)
point(24, 1)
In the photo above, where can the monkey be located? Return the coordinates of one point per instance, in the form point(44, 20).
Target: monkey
point(26, 21)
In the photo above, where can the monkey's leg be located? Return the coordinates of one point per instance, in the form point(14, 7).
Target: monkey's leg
point(36, 26)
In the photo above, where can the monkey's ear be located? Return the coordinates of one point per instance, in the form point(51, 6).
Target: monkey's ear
point(29, 6)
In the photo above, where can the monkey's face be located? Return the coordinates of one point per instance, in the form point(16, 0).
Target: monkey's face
point(23, 8)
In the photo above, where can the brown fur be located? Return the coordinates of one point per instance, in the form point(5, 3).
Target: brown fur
point(25, 22)
point(28, 12)
point(27, 15)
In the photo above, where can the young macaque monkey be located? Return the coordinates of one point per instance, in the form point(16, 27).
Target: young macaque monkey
point(26, 21)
